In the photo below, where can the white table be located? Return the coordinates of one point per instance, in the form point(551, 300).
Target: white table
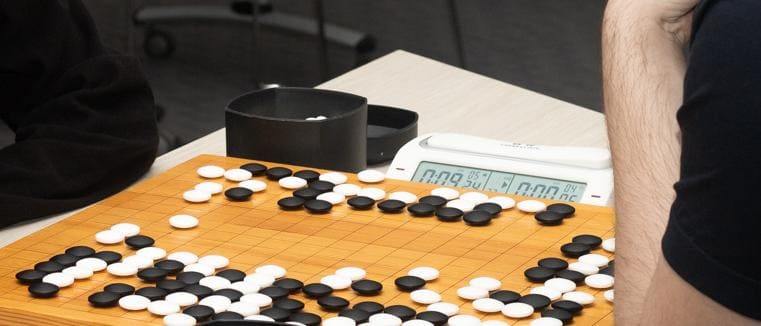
point(446, 98)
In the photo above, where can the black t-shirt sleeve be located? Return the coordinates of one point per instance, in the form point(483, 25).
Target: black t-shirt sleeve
point(713, 238)
point(83, 116)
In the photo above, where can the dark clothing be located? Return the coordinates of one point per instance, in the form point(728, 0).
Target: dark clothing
point(83, 116)
point(713, 239)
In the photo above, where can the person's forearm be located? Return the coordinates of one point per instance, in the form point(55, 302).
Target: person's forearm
point(643, 71)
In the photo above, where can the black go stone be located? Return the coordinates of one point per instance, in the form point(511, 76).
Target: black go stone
point(574, 276)
point(306, 193)
point(316, 290)
point(152, 274)
point(392, 206)
point(172, 267)
point(492, 208)
point(322, 186)
point(555, 264)
point(436, 201)
point(308, 175)
point(421, 210)
point(289, 304)
point(30, 276)
point(505, 296)
point(575, 250)
point(277, 314)
point(318, 206)
point(448, 214)
point(434, 317)
point(199, 312)
point(571, 306)
point(278, 173)
point(332, 303)
point(80, 251)
point(371, 307)
point(306, 318)
point(43, 290)
point(409, 283)
point(152, 293)
point(232, 275)
point(254, 168)
point(562, 209)
point(66, 260)
point(358, 315)
point(189, 277)
point(548, 218)
point(291, 203)
point(403, 312)
point(367, 287)
point(120, 289)
point(538, 274)
point(48, 267)
point(592, 241)
point(291, 284)
point(170, 285)
point(361, 202)
point(139, 241)
point(275, 292)
point(565, 316)
point(477, 218)
point(108, 256)
point(103, 299)
point(227, 315)
point(232, 294)
point(609, 270)
point(537, 301)
point(200, 291)
point(239, 194)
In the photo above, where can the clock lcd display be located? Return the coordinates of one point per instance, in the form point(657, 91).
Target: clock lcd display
point(496, 181)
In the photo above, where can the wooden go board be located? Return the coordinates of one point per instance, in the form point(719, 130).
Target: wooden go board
point(309, 246)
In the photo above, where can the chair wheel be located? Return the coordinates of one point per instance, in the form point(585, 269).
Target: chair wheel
point(158, 44)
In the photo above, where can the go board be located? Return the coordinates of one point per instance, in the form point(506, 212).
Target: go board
point(309, 246)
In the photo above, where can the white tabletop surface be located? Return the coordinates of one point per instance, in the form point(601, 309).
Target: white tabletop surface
point(446, 98)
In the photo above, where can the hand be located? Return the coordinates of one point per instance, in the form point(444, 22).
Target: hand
point(673, 16)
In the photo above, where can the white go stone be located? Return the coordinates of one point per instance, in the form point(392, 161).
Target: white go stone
point(245, 287)
point(215, 261)
point(77, 272)
point(560, 284)
point(292, 182)
point(486, 283)
point(238, 175)
point(127, 229)
point(196, 196)
point(494, 323)
point(504, 202)
point(182, 299)
point(109, 237)
point(464, 320)
point(210, 171)
point(163, 307)
point(335, 178)
point(140, 262)
point(472, 293)
point(271, 270)
point(219, 303)
point(594, 260)
point(122, 269)
point(204, 269)
point(579, 297)
point(447, 193)
point(488, 305)
point(403, 196)
point(583, 268)
point(215, 282)
point(531, 206)
point(245, 309)
point(517, 310)
point(609, 295)
point(425, 296)
point(417, 322)
point(337, 282)
point(354, 273)
point(178, 319)
point(332, 197)
point(254, 185)
point(371, 176)
point(92, 263)
point(62, 280)
point(547, 291)
point(372, 192)
point(425, 272)
point(261, 280)
point(384, 319)
point(447, 308)
point(347, 189)
point(257, 299)
point(461, 204)
point(134, 302)
point(599, 281)
point(259, 318)
point(183, 221)
point(339, 321)
point(295, 323)
point(154, 253)
point(609, 245)
point(210, 187)
point(185, 257)
point(546, 321)
point(474, 197)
